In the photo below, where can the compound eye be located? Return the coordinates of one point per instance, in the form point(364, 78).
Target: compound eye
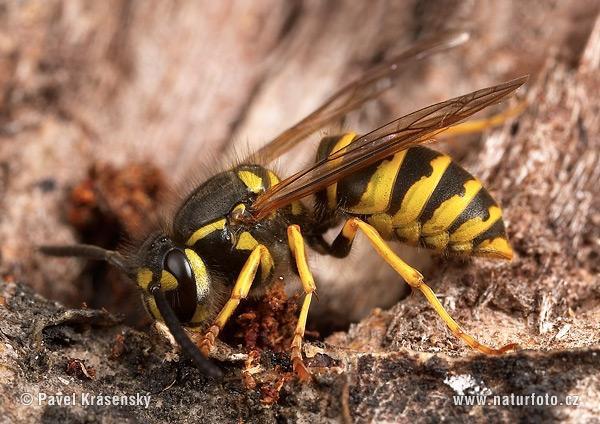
point(183, 299)
point(177, 264)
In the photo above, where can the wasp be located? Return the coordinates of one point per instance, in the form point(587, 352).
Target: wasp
point(230, 236)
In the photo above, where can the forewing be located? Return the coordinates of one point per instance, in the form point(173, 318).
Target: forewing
point(400, 134)
point(352, 96)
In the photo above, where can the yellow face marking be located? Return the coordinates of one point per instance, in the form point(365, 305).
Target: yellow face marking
point(153, 309)
point(475, 226)
point(252, 181)
point(200, 315)
point(410, 233)
point(378, 193)
point(497, 248)
point(168, 281)
point(417, 195)
point(273, 179)
point(449, 210)
point(332, 189)
point(144, 277)
point(246, 242)
point(297, 208)
point(206, 230)
point(201, 275)
point(382, 223)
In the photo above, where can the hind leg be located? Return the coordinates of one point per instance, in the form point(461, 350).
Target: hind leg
point(341, 247)
point(479, 125)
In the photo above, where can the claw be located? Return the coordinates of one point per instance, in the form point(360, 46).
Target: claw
point(298, 364)
point(207, 343)
point(301, 371)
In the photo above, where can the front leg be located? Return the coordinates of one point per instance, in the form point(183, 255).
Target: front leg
point(260, 256)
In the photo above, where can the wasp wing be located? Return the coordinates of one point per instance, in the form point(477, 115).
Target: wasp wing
point(400, 134)
point(352, 96)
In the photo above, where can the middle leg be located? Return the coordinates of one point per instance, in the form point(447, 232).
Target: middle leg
point(296, 243)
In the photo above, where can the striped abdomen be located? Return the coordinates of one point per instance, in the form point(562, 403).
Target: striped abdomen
point(423, 198)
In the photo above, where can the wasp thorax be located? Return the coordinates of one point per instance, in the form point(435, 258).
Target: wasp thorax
point(179, 272)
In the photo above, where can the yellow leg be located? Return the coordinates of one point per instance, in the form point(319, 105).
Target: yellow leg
point(296, 243)
point(259, 255)
point(480, 125)
point(415, 280)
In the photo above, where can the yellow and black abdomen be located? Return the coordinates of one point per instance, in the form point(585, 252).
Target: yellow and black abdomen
point(421, 197)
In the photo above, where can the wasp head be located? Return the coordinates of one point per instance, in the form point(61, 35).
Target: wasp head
point(178, 272)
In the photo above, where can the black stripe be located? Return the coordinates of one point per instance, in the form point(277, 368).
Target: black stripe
point(264, 175)
point(209, 201)
point(351, 189)
point(326, 146)
point(495, 231)
point(479, 207)
point(451, 184)
point(416, 165)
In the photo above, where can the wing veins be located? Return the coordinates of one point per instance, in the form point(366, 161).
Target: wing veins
point(405, 132)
